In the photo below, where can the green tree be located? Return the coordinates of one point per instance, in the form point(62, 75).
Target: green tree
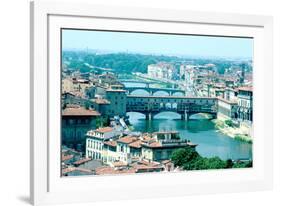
point(229, 163)
point(184, 156)
point(189, 159)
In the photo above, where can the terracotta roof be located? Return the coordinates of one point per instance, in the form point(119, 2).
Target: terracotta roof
point(111, 143)
point(79, 162)
point(146, 138)
point(166, 161)
point(110, 170)
point(136, 144)
point(71, 169)
point(155, 144)
point(119, 164)
point(104, 129)
point(147, 168)
point(79, 111)
point(144, 162)
point(66, 157)
point(246, 88)
point(127, 139)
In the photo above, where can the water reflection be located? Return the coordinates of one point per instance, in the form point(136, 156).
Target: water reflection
point(199, 130)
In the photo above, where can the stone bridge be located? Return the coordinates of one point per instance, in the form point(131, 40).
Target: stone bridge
point(185, 106)
point(152, 90)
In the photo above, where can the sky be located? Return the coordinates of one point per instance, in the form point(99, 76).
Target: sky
point(181, 45)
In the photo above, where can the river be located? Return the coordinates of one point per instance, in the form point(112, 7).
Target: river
point(198, 130)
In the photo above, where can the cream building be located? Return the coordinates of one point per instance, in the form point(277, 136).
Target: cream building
point(95, 141)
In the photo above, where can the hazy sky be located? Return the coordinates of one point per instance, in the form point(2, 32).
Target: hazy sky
point(158, 43)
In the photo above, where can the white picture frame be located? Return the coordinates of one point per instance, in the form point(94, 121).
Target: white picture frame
point(47, 18)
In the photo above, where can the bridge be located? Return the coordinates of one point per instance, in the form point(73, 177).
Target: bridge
point(152, 90)
point(137, 81)
point(185, 106)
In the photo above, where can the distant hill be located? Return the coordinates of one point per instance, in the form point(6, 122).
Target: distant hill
point(130, 62)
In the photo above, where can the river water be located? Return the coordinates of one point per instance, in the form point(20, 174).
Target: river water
point(198, 130)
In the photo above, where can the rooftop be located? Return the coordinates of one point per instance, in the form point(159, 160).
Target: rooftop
point(104, 129)
point(136, 144)
point(127, 139)
point(169, 143)
point(246, 88)
point(111, 143)
point(79, 111)
point(110, 170)
point(66, 157)
point(72, 169)
point(82, 161)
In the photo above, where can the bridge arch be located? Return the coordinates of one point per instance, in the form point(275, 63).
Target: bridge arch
point(160, 93)
point(135, 115)
point(201, 115)
point(142, 92)
point(167, 115)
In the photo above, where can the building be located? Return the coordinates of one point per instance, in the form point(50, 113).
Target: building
point(101, 105)
point(72, 98)
point(96, 139)
point(187, 73)
point(76, 121)
point(107, 79)
point(227, 109)
point(230, 94)
point(76, 85)
point(67, 85)
point(245, 104)
point(109, 153)
point(117, 99)
point(127, 148)
point(217, 90)
point(69, 156)
point(163, 145)
point(161, 70)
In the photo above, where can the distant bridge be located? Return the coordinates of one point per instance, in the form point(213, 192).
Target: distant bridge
point(137, 81)
point(185, 106)
point(152, 90)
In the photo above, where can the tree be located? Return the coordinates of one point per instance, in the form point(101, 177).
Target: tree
point(184, 156)
point(229, 163)
point(189, 159)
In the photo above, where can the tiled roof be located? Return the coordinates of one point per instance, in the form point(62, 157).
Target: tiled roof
point(155, 144)
point(81, 161)
point(136, 144)
point(71, 169)
point(246, 88)
point(66, 157)
point(110, 170)
point(127, 139)
point(119, 164)
point(104, 129)
point(79, 111)
point(111, 143)
point(166, 161)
